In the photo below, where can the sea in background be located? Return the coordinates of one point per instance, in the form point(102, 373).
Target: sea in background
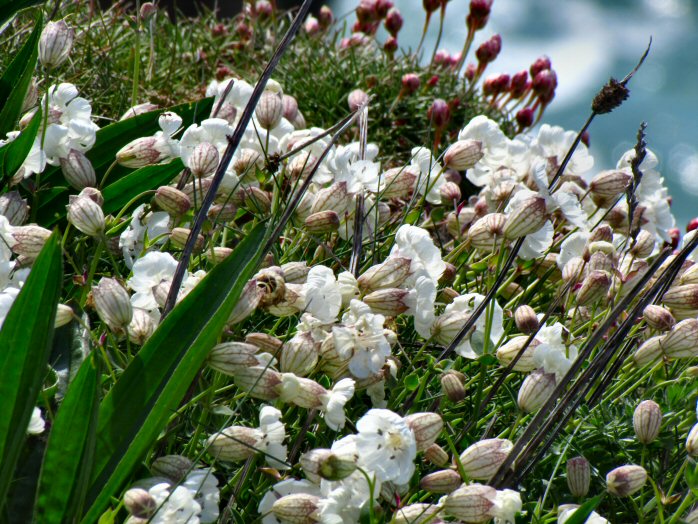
point(589, 41)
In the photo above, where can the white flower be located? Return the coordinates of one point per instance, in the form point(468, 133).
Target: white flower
point(333, 403)
point(416, 244)
point(567, 510)
point(212, 130)
point(154, 225)
point(348, 287)
point(362, 340)
point(272, 435)
point(175, 506)
point(553, 143)
point(323, 296)
point(473, 346)
point(563, 198)
point(7, 298)
point(495, 148)
point(552, 355)
point(203, 485)
point(431, 177)
point(387, 444)
point(150, 271)
point(371, 222)
point(535, 245)
point(360, 175)
point(507, 503)
point(36, 423)
point(281, 489)
point(421, 302)
point(572, 247)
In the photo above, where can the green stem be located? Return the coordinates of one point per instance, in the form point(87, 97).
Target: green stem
point(136, 55)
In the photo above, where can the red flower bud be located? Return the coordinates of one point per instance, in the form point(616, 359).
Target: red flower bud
point(489, 50)
point(439, 113)
point(390, 45)
point(519, 84)
point(410, 83)
point(393, 21)
point(524, 117)
point(541, 64)
point(544, 84)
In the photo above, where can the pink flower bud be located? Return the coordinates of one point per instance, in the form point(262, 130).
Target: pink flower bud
point(489, 50)
point(439, 113)
point(578, 476)
point(452, 385)
point(322, 222)
point(626, 480)
point(139, 503)
point(541, 64)
point(113, 304)
point(519, 84)
point(482, 459)
point(647, 421)
point(410, 83)
point(544, 85)
point(524, 117)
point(487, 233)
point(312, 25)
point(356, 99)
point(393, 21)
point(14, 208)
point(431, 5)
point(77, 170)
point(269, 110)
point(203, 160)
point(450, 193)
point(55, 44)
point(444, 481)
point(658, 318)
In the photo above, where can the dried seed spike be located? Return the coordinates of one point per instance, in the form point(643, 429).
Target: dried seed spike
point(612, 95)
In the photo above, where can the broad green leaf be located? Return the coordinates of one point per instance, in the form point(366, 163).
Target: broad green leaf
point(152, 386)
point(16, 79)
point(109, 140)
point(69, 453)
point(582, 513)
point(9, 8)
point(12, 155)
point(25, 344)
point(121, 192)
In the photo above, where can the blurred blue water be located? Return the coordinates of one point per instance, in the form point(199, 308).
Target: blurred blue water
point(589, 41)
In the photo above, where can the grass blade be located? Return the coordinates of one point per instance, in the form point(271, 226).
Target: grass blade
point(25, 344)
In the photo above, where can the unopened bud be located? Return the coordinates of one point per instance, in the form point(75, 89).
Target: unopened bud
point(536, 390)
point(526, 319)
point(203, 160)
point(290, 107)
point(230, 357)
point(398, 182)
point(626, 480)
point(450, 193)
point(658, 318)
point(298, 508)
point(692, 441)
point(85, 214)
point(270, 110)
point(594, 287)
point(426, 428)
point(573, 270)
point(29, 240)
point(391, 273)
point(528, 218)
point(647, 420)
point(643, 245)
point(324, 464)
point(684, 297)
point(77, 170)
point(489, 50)
point(172, 200)
point(578, 476)
point(453, 385)
point(180, 235)
point(444, 481)
point(649, 351)
point(439, 113)
point(325, 16)
point(356, 99)
point(299, 355)
point(322, 222)
point(55, 44)
point(471, 503)
point(682, 340)
point(139, 109)
point(113, 304)
point(14, 208)
point(140, 152)
point(463, 154)
point(690, 276)
point(389, 302)
point(487, 233)
point(482, 459)
point(264, 342)
point(247, 160)
point(259, 381)
point(64, 315)
point(607, 185)
point(410, 83)
point(139, 503)
point(301, 165)
point(544, 85)
point(234, 444)
point(334, 198)
point(255, 199)
point(507, 352)
point(525, 117)
point(436, 455)
point(173, 467)
point(141, 327)
point(415, 514)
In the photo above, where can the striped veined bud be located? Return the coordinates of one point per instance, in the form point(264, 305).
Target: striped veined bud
point(658, 317)
point(203, 160)
point(507, 352)
point(260, 382)
point(415, 514)
point(302, 392)
point(450, 193)
point(334, 198)
point(526, 319)
point(64, 315)
point(180, 235)
point(626, 480)
point(649, 351)
point(463, 154)
point(254, 199)
point(141, 327)
point(77, 170)
point(173, 467)
point(527, 218)
point(113, 304)
point(600, 262)
point(299, 355)
point(607, 185)
point(270, 109)
point(247, 304)
point(140, 152)
point(247, 160)
point(295, 272)
point(290, 108)
point(222, 212)
point(444, 481)
point(32, 96)
point(398, 182)
point(301, 165)
point(458, 221)
point(535, 390)
point(138, 109)
point(647, 421)
point(682, 298)
point(234, 444)
point(690, 276)
point(29, 240)
point(320, 464)
point(643, 245)
point(298, 508)
point(470, 503)
point(595, 286)
point(578, 476)
point(389, 274)
point(487, 233)
point(172, 200)
point(692, 441)
point(426, 427)
point(55, 44)
point(322, 222)
point(602, 233)
point(482, 459)
point(14, 208)
point(195, 189)
point(231, 357)
point(436, 455)
point(448, 325)
point(573, 271)
point(389, 302)
point(218, 254)
point(140, 503)
point(85, 214)
point(264, 342)
point(452, 385)
point(682, 340)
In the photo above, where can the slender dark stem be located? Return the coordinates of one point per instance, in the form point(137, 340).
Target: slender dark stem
point(233, 143)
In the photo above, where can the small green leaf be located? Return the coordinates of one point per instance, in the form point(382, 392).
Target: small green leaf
point(69, 453)
point(12, 155)
point(15, 81)
point(25, 344)
point(412, 382)
point(9, 8)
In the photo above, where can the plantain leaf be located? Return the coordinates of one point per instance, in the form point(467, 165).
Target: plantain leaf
point(9, 8)
point(25, 344)
point(12, 155)
point(17, 77)
point(141, 402)
point(121, 192)
point(70, 450)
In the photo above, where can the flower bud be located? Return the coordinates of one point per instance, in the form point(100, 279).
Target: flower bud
point(578, 476)
point(255, 199)
point(525, 117)
point(470, 503)
point(269, 111)
point(29, 240)
point(649, 351)
point(180, 235)
point(573, 270)
point(544, 85)
point(247, 160)
point(77, 170)
point(85, 214)
point(113, 304)
point(391, 273)
point(594, 287)
point(14, 208)
point(683, 297)
point(301, 165)
point(658, 318)
point(298, 508)
point(233, 444)
point(436, 455)
point(682, 340)
point(415, 514)
point(507, 352)
point(389, 302)
point(528, 218)
point(31, 97)
point(264, 342)
point(139, 503)
point(203, 160)
point(334, 198)
point(299, 355)
point(439, 113)
point(489, 50)
point(452, 385)
point(142, 326)
point(448, 325)
point(230, 357)
point(325, 16)
point(463, 154)
point(426, 427)
point(322, 222)
point(450, 193)
point(647, 420)
point(173, 467)
point(692, 441)
point(172, 200)
point(444, 481)
point(323, 464)
point(536, 390)
point(626, 480)
point(643, 245)
point(482, 459)
point(55, 44)
point(393, 21)
point(607, 185)
point(526, 319)
point(356, 99)
point(290, 107)
point(64, 315)
point(140, 152)
point(398, 182)
point(487, 233)
point(259, 382)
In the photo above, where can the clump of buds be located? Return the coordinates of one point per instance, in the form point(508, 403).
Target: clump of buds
point(578, 476)
point(647, 421)
point(626, 480)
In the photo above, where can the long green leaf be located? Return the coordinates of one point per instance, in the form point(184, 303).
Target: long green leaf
point(25, 344)
point(16, 79)
point(9, 8)
point(152, 386)
point(582, 513)
point(12, 155)
point(69, 453)
point(147, 178)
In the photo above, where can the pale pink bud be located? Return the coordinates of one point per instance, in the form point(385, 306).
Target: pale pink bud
point(444, 481)
point(426, 427)
point(410, 83)
point(389, 274)
point(85, 214)
point(148, 9)
point(644, 246)
point(172, 200)
point(463, 154)
point(487, 233)
point(334, 198)
point(290, 108)
point(14, 208)
point(526, 319)
point(683, 297)
point(247, 160)
point(471, 503)
point(325, 16)
point(259, 381)
point(436, 455)
point(450, 193)
point(139, 109)
point(439, 113)
point(112, 303)
point(233, 444)
point(507, 352)
point(453, 385)
point(299, 355)
point(389, 302)
point(322, 222)
point(270, 109)
point(299, 508)
point(528, 218)
point(203, 160)
point(398, 182)
point(578, 476)
point(142, 326)
point(230, 357)
point(595, 286)
point(320, 464)
point(626, 480)
point(312, 25)
point(357, 98)
point(29, 240)
point(607, 185)
point(415, 514)
point(658, 317)
point(139, 503)
point(55, 44)
point(692, 441)
point(647, 421)
point(140, 152)
point(682, 340)
point(482, 459)
point(649, 351)
point(535, 390)
point(173, 467)
point(77, 170)
point(264, 342)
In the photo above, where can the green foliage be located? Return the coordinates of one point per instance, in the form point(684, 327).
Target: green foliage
point(12, 155)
